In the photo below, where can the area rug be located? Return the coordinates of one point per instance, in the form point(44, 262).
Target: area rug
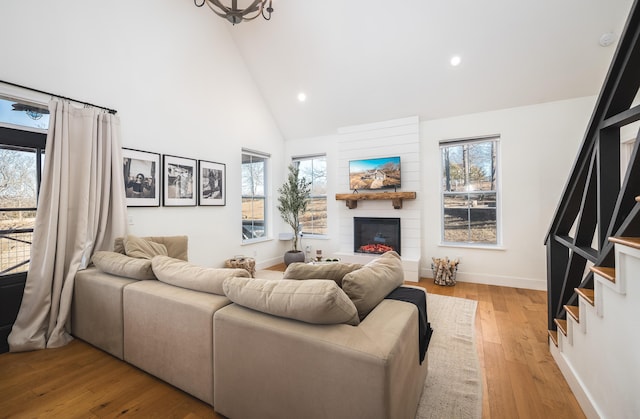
point(453, 388)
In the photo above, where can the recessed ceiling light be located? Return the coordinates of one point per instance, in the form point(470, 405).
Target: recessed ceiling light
point(455, 60)
point(607, 39)
point(302, 97)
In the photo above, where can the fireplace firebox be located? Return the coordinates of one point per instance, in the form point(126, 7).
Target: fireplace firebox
point(376, 235)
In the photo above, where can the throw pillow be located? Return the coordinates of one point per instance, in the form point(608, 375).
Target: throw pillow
point(183, 274)
point(137, 247)
point(177, 246)
point(331, 270)
point(122, 265)
point(368, 286)
point(312, 301)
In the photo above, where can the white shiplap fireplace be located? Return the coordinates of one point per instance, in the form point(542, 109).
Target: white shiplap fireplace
point(399, 137)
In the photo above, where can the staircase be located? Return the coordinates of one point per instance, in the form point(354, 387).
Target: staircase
point(597, 345)
point(593, 249)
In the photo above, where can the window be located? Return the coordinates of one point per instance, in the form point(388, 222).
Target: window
point(21, 162)
point(25, 115)
point(254, 205)
point(314, 170)
point(469, 191)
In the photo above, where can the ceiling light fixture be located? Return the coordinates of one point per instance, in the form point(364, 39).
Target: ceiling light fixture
point(607, 39)
point(31, 111)
point(235, 15)
point(455, 60)
point(302, 97)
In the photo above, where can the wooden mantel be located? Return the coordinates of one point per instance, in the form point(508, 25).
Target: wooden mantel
point(395, 198)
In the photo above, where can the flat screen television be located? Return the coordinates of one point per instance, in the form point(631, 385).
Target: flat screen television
point(379, 173)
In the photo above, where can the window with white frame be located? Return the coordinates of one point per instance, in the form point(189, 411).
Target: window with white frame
point(470, 195)
point(254, 201)
point(314, 170)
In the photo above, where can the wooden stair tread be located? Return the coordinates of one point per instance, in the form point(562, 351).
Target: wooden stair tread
point(605, 272)
point(633, 242)
point(554, 336)
point(586, 293)
point(573, 311)
point(562, 325)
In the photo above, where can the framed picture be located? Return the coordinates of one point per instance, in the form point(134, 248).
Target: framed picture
point(212, 183)
point(179, 176)
point(141, 183)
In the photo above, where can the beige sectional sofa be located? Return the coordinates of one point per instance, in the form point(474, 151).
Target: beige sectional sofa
point(261, 356)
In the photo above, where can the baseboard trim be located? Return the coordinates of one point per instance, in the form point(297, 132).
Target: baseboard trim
point(582, 396)
point(264, 264)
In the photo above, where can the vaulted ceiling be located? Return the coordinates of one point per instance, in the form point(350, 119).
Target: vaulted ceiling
point(363, 61)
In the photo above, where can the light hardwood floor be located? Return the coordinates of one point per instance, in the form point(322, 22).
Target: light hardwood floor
point(521, 379)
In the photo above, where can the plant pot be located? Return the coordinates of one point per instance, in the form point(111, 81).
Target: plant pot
point(293, 256)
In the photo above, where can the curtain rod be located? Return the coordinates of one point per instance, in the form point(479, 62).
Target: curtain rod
point(112, 111)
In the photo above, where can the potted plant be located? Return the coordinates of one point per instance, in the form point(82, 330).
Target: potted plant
point(292, 203)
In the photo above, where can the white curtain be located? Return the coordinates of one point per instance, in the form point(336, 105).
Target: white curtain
point(81, 209)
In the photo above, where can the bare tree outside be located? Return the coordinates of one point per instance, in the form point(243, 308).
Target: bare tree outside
point(18, 199)
point(17, 178)
point(469, 191)
point(314, 170)
point(253, 196)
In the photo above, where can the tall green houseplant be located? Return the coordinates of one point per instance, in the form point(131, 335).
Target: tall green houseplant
point(293, 201)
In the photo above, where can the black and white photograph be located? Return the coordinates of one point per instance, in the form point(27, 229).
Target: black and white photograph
point(179, 181)
point(141, 168)
point(211, 183)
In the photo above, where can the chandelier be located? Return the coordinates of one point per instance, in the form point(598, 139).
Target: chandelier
point(235, 15)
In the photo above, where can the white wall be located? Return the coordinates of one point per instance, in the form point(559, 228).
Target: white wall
point(179, 88)
point(538, 146)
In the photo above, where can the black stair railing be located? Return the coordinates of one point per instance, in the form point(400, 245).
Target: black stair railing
point(596, 203)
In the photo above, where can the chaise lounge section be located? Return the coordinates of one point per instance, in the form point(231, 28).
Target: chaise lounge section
point(271, 367)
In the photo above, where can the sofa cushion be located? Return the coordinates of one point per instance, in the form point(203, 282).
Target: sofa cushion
point(313, 301)
point(137, 247)
point(96, 309)
point(331, 270)
point(177, 246)
point(168, 332)
point(368, 286)
point(123, 265)
point(184, 274)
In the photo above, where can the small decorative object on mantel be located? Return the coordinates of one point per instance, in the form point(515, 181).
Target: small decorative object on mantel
point(444, 271)
point(319, 255)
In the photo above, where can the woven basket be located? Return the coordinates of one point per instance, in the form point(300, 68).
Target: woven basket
point(441, 279)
